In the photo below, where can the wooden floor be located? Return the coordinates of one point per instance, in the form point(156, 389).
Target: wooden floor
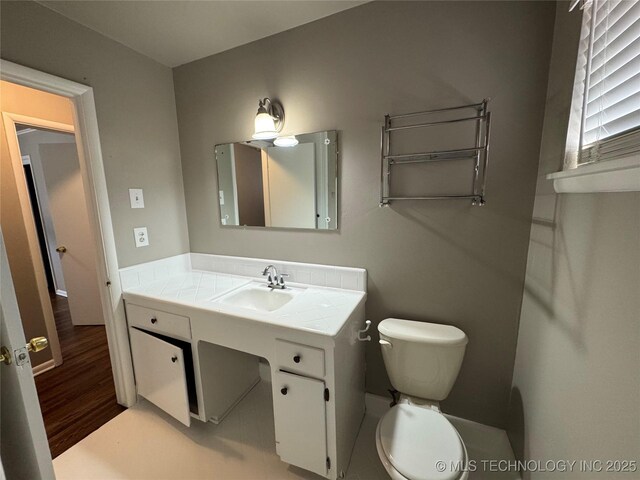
point(78, 396)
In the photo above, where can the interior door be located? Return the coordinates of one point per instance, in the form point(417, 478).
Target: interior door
point(160, 374)
point(24, 449)
point(67, 203)
point(292, 186)
point(300, 420)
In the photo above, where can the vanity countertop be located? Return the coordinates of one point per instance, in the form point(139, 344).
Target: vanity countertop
point(321, 310)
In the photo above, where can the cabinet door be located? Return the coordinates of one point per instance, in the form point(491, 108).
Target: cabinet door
point(160, 374)
point(300, 421)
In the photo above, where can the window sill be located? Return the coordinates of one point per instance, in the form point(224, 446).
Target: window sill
point(619, 175)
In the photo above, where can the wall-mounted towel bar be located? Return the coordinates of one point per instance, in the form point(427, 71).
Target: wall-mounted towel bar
point(478, 153)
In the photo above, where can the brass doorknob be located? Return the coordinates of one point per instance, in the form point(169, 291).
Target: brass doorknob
point(5, 356)
point(37, 344)
point(61, 249)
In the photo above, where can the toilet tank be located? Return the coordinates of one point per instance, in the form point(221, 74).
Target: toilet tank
point(422, 359)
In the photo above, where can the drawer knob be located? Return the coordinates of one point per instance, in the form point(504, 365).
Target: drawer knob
point(154, 320)
point(284, 390)
point(297, 359)
point(174, 359)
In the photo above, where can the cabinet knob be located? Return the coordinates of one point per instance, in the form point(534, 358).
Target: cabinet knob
point(284, 390)
point(297, 358)
point(154, 320)
point(174, 359)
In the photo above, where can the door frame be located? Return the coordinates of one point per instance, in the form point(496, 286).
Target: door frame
point(96, 195)
point(10, 120)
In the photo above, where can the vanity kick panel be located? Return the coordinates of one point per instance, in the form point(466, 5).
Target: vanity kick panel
point(158, 321)
point(297, 358)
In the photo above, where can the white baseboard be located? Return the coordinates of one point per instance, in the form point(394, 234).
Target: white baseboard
point(377, 405)
point(43, 367)
point(61, 293)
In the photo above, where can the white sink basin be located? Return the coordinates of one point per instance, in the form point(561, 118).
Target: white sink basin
point(259, 298)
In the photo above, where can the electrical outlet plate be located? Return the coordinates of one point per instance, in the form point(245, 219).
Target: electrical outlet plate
point(141, 236)
point(136, 197)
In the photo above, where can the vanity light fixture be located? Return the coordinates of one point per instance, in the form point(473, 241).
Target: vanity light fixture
point(269, 119)
point(286, 141)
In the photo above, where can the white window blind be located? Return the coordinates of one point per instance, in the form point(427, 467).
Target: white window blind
point(610, 103)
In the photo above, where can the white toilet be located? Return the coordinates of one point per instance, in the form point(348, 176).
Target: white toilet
point(423, 361)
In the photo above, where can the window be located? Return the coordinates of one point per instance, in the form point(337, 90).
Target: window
point(605, 121)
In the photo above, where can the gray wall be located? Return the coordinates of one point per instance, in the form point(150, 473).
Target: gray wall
point(136, 116)
point(443, 261)
point(576, 388)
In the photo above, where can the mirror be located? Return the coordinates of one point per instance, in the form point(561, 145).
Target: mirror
point(264, 185)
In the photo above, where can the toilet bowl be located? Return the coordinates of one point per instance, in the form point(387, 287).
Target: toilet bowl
point(415, 441)
point(418, 443)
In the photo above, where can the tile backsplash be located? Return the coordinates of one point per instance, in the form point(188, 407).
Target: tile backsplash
point(144, 273)
point(307, 273)
point(348, 278)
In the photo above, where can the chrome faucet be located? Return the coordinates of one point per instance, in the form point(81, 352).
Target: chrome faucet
point(275, 280)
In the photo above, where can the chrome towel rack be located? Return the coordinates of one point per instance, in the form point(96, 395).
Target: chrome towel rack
point(479, 153)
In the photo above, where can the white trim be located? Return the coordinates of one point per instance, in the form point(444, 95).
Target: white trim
point(10, 120)
point(92, 170)
point(61, 293)
point(618, 175)
point(236, 209)
point(44, 367)
point(37, 122)
point(376, 405)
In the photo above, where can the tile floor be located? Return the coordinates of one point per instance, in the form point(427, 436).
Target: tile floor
point(144, 443)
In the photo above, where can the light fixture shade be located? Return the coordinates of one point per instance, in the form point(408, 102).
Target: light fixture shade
point(265, 127)
point(286, 141)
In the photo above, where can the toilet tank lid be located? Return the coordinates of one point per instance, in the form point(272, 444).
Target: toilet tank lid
point(414, 331)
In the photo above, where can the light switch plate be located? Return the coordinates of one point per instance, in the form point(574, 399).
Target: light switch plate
point(136, 197)
point(141, 236)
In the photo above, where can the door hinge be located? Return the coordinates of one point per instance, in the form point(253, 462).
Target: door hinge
point(328, 463)
point(326, 394)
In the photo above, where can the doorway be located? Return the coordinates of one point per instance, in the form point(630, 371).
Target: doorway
point(56, 274)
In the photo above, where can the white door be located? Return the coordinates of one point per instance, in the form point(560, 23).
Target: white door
point(24, 450)
point(299, 408)
point(160, 374)
point(68, 208)
point(292, 186)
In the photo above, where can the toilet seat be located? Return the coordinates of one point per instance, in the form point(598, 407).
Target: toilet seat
point(411, 440)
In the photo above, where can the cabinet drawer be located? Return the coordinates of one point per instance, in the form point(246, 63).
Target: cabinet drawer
point(298, 358)
point(160, 374)
point(158, 321)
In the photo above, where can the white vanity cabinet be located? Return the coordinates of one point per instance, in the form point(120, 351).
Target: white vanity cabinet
point(162, 360)
point(196, 357)
point(170, 375)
